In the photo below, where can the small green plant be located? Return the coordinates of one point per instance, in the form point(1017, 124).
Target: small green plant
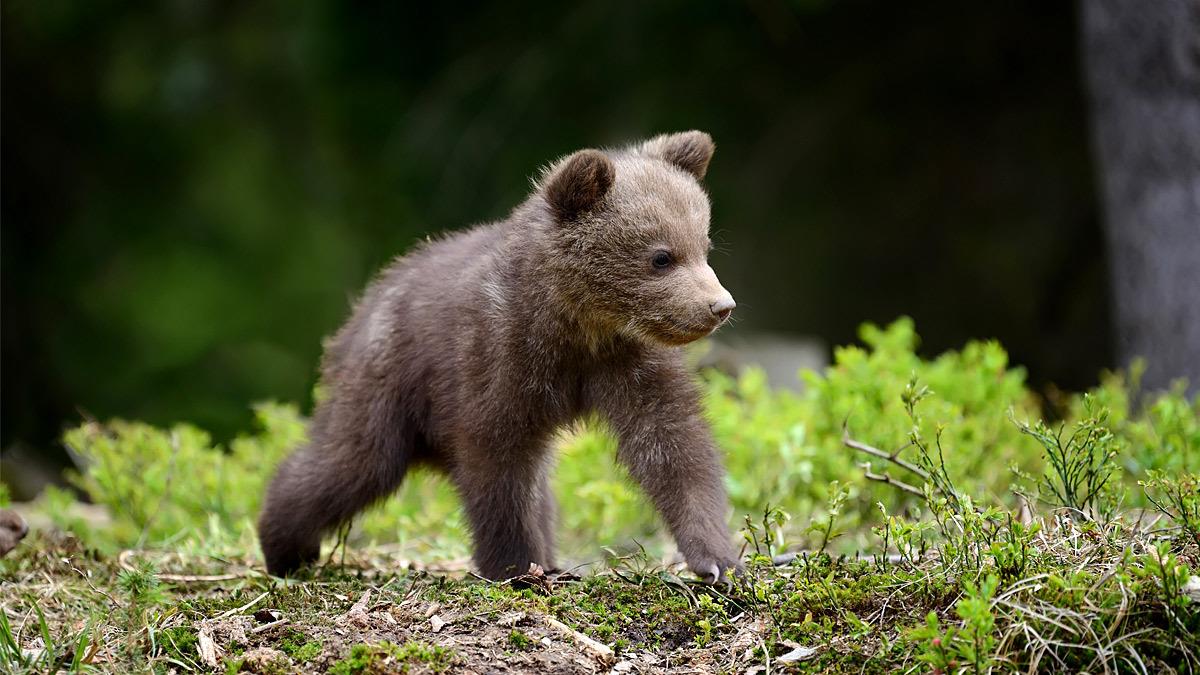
point(518, 640)
point(387, 657)
point(969, 644)
point(1177, 499)
point(1013, 552)
point(1080, 466)
point(837, 500)
point(910, 538)
point(1170, 575)
point(299, 647)
point(709, 609)
point(143, 593)
point(766, 534)
point(140, 584)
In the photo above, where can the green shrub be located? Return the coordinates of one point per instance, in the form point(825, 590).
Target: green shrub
point(903, 458)
point(783, 451)
point(173, 485)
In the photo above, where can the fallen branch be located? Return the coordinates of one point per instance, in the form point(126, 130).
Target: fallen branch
point(600, 651)
point(238, 610)
point(268, 626)
point(200, 578)
point(124, 557)
point(884, 478)
point(893, 457)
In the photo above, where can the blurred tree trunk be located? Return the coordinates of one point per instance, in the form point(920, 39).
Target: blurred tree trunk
point(1143, 69)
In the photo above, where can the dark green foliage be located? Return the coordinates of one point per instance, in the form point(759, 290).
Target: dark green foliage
point(192, 191)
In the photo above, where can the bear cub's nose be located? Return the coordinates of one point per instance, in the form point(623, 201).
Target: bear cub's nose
point(723, 308)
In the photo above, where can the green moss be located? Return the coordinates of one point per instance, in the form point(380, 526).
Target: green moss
point(180, 642)
point(297, 645)
point(387, 657)
point(519, 640)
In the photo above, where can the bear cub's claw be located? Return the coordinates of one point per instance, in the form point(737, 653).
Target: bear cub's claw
point(715, 573)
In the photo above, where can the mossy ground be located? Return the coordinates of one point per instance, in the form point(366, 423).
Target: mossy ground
point(990, 542)
point(71, 608)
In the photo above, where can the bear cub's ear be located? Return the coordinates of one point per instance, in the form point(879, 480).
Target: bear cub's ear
point(579, 183)
point(688, 150)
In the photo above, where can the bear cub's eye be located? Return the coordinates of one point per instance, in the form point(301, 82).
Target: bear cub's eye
point(661, 260)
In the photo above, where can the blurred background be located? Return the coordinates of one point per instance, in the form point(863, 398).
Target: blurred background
point(194, 192)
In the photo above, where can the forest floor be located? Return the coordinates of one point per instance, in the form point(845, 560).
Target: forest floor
point(69, 608)
point(975, 541)
point(163, 612)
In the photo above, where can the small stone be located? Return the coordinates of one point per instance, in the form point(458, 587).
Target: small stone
point(1192, 589)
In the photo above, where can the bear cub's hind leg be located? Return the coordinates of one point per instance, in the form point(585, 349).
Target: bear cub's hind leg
point(318, 488)
point(505, 507)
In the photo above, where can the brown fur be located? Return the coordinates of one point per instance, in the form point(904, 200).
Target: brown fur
point(469, 352)
point(12, 530)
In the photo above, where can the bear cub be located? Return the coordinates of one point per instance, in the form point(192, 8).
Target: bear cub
point(469, 352)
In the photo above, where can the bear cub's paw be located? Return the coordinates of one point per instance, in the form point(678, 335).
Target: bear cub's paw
point(715, 569)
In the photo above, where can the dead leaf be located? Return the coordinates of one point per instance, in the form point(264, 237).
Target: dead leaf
point(207, 648)
point(362, 604)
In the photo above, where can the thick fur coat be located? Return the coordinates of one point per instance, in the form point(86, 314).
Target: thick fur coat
point(468, 353)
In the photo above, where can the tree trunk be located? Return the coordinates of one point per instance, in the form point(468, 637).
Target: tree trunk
point(1143, 68)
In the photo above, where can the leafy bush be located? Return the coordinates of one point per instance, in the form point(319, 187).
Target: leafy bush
point(173, 485)
point(972, 567)
point(783, 451)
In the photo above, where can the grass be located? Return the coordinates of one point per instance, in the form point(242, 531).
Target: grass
point(947, 520)
point(1087, 601)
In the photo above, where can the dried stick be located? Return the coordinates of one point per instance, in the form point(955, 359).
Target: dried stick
point(599, 651)
point(884, 478)
point(893, 457)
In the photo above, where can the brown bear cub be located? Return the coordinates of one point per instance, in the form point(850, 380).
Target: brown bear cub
point(469, 352)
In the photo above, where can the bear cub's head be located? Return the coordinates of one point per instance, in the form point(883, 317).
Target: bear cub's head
point(629, 240)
